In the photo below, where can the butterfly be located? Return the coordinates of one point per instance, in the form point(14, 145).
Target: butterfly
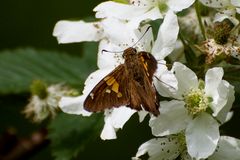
point(129, 84)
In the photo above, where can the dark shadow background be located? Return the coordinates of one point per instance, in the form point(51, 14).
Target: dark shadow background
point(31, 22)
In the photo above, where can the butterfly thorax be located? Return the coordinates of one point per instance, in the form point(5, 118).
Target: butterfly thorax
point(133, 65)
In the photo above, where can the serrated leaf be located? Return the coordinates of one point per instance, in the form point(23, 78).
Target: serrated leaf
point(69, 134)
point(18, 68)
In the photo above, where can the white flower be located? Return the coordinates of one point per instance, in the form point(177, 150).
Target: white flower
point(173, 146)
point(226, 9)
point(44, 101)
point(164, 44)
point(228, 148)
point(197, 110)
point(140, 10)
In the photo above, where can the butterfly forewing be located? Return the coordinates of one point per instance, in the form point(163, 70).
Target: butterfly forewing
point(149, 63)
point(109, 92)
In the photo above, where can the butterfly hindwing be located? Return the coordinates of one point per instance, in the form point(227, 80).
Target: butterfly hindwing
point(111, 91)
point(142, 92)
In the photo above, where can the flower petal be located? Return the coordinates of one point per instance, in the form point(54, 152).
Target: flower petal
point(228, 148)
point(216, 3)
point(118, 32)
point(223, 114)
point(216, 89)
point(109, 59)
point(73, 105)
point(108, 131)
point(229, 14)
point(119, 10)
point(177, 6)
point(187, 79)
point(135, 14)
point(236, 3)
point(145, 38)
point(167, 36)
point(165, 81)
point(151, 14)
point(160, 148)
point(115, 119)
point(77, 31)
point(142, 114)
point(202, 136)
point(173, 118)
point(94, 78)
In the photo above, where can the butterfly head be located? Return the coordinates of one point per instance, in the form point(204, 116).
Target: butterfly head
point(129, 52)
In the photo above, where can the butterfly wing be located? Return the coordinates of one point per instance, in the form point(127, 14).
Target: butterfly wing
point(149, 63)
point(142, 91)
point(111, 91)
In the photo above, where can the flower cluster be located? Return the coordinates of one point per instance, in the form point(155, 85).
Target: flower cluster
point(197, 99)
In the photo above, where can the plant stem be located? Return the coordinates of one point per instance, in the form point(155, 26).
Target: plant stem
point(197, 9)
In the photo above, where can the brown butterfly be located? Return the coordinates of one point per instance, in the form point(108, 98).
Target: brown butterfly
point(129, 84)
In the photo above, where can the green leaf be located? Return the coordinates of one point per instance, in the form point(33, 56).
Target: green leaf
point(18, 68)
point(69, 134)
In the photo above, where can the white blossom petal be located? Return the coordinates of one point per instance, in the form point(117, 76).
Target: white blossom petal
point(108, 132)
point(167, 36)
point(94, 78)
point(177, 5)
point(160, 148)
point(238, 10)
point(228, 148)
point(187, 79)
point(166, 82)
point(73, 105)
point(226, 13)
point(173, 118)
point(109, 59)
point(115, 119)
point(151, 14)
point(119, 32)
point(145, 38)
point(216, 89)
point(202, 136)
point(77, 31)
point(119, 116)
point(119, 10)
point(236, 3)
point(216, 3)
point(142, 114)
point(223, 114)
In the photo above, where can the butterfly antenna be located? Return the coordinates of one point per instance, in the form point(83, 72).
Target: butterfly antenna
point(104, 50)
point(165, 83)
point(142, 36)
point(132, 45)
point(168, 64)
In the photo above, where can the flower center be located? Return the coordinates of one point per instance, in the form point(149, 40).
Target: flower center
point(222, 31)
point(39, 88)
point(196, 101)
